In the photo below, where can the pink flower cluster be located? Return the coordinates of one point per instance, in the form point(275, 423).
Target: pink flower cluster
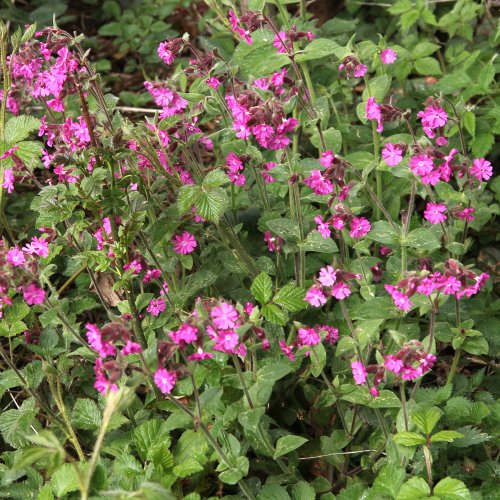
point(284, 40)
point(410, 363)
point(309, 337)
point(274, 243)
point(353, 67)
point(235, 168)
point(246, 25)
point(330, 282)
point(456, 280)
point(359, 226)
point(433, 118)
point(104, 342)
point(169, 100)
point(168, 51)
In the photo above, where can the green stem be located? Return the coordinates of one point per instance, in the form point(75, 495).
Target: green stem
point(262, 189)
point(403, 403)
point(454, 366)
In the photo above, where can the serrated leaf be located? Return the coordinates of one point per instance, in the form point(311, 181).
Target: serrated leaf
point(303, 491)
point(86, 415)
point(451, 489)
point(274, 314)
point(446, 436)
point(188, 195)
point(414, 489)
point(19, 128)
point(15, 424)
point(286, 444)
point(469, 120)
point(389, 480)
point(424, 49)
point(215, 178)
point(409, 439)
point(262, 288)
point(426, 419)
point(147, 434)
point(291, 298)
point(64, 480)
point(427, 66)
point(317, 356)
point(212, 203)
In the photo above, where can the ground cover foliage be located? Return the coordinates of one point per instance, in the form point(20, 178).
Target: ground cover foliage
point(248, 250)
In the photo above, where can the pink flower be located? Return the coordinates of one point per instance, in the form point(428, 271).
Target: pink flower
point(358, 372)
point(341, 291)
point(318, 183)
point(224, 316)
point(33, 295)
point(449, 285)
point(481, 169)
point(401, 301)
point(249, 307)
point(186, 333)
point(393, 364)
point(388, 56)
point(95, 340)
point(213, 82)
point(315, 297)
point(135, 265)
point(156, 306)
point(131, 348)
point(373, 112)
point(466, 214)
point(200, 355)
point(435, 213)
point(326, 159)
point(393, 155)
point(227, 341)
point(281, 43)
point(410, 373)
point(327, 276)
point(15, 257)
point(421, 164)
point(37, 246)
point(332, 334)
point(165, 53)
point(359, 227)
point(273, 242)
point(8, 180)
point(426, 286)
point(374, 391)
point(360, 71)
point(432, 118)
point(286, 350)
point(309, 336)
point(323, 227)
point(102, 384)
point(184, 243)
point(165, 380)
point(151, 274)
point(427, 363)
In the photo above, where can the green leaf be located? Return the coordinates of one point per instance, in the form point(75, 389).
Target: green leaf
point(316, 243)
point(262, 288)
point(286, 444)
point(273, 492)
point(451, 489)
point(332, 138)
point(446, 436)
point(147, 434)
point(212, 203)
point(469, 121)
point(188, 195)
point(409, 438)
point(215, 178)
point(234, 474)
point(16, 312)
point(389, 480)
point(427, 66)
point(482, 144)
point(318, 48)
point(86, 415)
point(303, 491)
point(15, 425)
point(383, 232)
point(291, 298)
point(286, 228)
point(250, 419)
point(378, 88)
point(424, 49)
point(426, 419)
point(386, 399)
point(476, 345)
point(424, 239)
point(65, 480)
point(414, 489)
point(318, 359)
point(19, 128)
point(274, 314)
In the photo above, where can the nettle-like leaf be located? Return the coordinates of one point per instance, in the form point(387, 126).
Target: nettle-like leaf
point(19, 128)
point(426, 419)
point(286, 444)
point(291, 298)
point(262, 288)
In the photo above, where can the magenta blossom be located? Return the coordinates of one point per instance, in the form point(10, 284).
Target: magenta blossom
point(360, 71)
point(323, 227)
point(308, 336)
point(392, 155)
point(165, 380)
point(156, 306)
point(481, 169)
point(373, 112)
point(315, 297)
point(33, 295)
point(421, 164)
point(327, 276)
point(341, 290)
point(388, 56)
point(358, 372)
point(287, 350)
point(97, 343)
point(224, 316)
point(131, 348)
point(184, 335)
point(435, 213)
point(359, 227)
point(326, 158)
point(184, 243)
point(15, 257)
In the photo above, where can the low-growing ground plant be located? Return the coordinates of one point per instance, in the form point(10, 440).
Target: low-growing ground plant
point(279, 283)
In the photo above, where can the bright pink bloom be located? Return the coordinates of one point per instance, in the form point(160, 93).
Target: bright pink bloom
point(421, 164)
point(213, 82)
point(401, 301)
point(481, 169)
point(332, 334)
point(184, 243)
point(287, 350)
point(360, 71)
point(200, 355)
point(131, 348)
point(95, 340)
point(393, 364)
point(156, 306)
point(385, 250)
point(224, 316)
point(37, 246)
point(449, 285)
point(135, 265)
point(309, 336)
point(151, 274)
point(426, 286)
point(341, 291)
point(102, 384)
point(358, 372)
point(432, 118)
point(186, 334)
point(388, 56)
point(227, 340)
point(359, 227)
point(165, 53)
point(327, 276)
point(249, 307)
point(326, 158)
point(435, 213)
point(281, 43)
point(33, 295)
point(315, 297)
point(8, 180)
point(318, 183)
point(466, 214)
point(392, 155)
point(373, 112)
point(410, 373)
point(15, 257)
point(165, 380)
point(323, 227)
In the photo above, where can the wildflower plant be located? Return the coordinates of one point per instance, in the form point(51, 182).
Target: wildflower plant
point(269, 286)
